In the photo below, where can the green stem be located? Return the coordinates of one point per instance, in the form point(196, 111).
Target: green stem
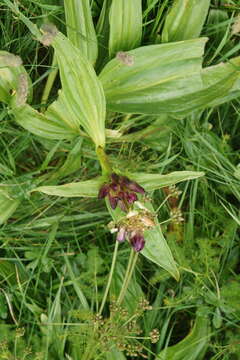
point(128, 275)
point(110, 277)
point(103, 159)
point(50, 80)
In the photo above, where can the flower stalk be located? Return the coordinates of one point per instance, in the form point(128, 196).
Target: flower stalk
point(109, 278)
point(104, 162)
point(128, 275)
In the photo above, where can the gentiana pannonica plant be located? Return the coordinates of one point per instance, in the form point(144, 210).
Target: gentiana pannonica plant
point(163, 81)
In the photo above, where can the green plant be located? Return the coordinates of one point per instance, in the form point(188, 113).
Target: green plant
point(112, 98)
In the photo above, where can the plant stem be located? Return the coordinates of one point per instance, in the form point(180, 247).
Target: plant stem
point(109, 277)
point(103, 159)
point(128, 275)
point(49, 84)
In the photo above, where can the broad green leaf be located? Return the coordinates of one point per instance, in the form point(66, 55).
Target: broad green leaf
point(156, 248)
point(51, 125)
point(125, 19)
point(11, 70)
point(168, 83)
point(88, 188)
point(80, 28)
point(82, 93)
point(156, 181)
point(185, 20)
point(214, 74)
point(157, 78)
point(8, 204)
point(194, 345)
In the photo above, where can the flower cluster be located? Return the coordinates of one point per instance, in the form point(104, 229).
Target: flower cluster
point(121, 191)
point(133, 226)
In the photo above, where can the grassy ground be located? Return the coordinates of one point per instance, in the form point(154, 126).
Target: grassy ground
point(57, 251)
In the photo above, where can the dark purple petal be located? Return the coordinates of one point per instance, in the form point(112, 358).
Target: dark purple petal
point(121, 195)
point(124, 180)
point(132, 185)
point(122, 206)
point(113, 200)
point(114, 186)
point(137, 242)
point(131, 197)
point(103, 191)
point(121, 235)
point(115, 178)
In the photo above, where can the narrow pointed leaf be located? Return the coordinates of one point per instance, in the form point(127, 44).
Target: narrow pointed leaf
point(156, 181)
point(80, 28)
point(88, 188)
point(185, 20)
point(81, 89)
point(125, 25)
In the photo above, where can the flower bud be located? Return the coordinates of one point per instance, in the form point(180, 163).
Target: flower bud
point(137, 241)
point(103, 191)
point(113, 200)
point(121, 235)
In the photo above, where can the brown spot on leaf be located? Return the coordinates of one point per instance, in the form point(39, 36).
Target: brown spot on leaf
point(10, 60)
point(125, 58)
point(49, 32)
point(22, 90)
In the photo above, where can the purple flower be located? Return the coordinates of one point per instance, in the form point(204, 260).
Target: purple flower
point(132, 185)
point(131, 197)
point(137, 241)
point(113, 200)
point(121, 235)
point(103, 191)
point(120, 191)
